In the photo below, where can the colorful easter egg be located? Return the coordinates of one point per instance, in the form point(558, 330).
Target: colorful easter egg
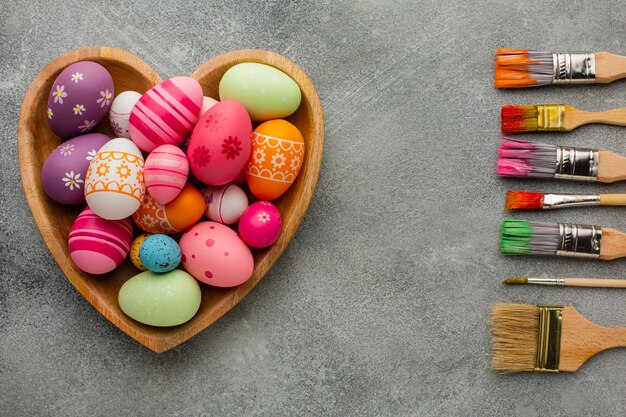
point(225, 204)
point(207, 103)
point(266, 92)
point(79, 99)
point(177, 215)
point(220, 143)
point(114, 184)
point(134, 251)
point(214, 254)
point(98, 246)
point(161, 300)
point(166, 114)
point(63, 173)
point(165, 173)
point(277, 156)
point(260, 224)
point(120, 112)
point(160, 253)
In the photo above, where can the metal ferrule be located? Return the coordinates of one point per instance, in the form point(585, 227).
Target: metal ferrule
point(551, 201)
point(550, 117)
point(549, 339)
point(546, 281)
point(574, 68)
point(579, 164)
point(579, 241)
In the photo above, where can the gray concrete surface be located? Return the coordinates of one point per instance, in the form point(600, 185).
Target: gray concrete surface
point(380, 304)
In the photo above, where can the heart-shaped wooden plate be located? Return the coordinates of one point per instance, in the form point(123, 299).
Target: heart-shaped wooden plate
point(36, 141)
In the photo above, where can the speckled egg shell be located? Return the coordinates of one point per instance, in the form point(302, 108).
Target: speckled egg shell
point(220, 143)
point(98, 246)
point(79, 99)
point(260, 224)
point(277, 156)
point(63, 173)
point(166, 113)
point(120, 112)
point(134, 251)
point(114, 185)
point(214, 254)
point(165, 173)
point(160, 253)
point(225, 204)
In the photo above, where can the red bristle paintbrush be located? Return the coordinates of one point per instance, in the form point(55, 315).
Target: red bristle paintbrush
point(526, 201)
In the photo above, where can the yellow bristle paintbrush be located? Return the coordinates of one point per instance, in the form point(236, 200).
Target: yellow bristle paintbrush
point(520, 68)
point(527, 338)
point(555, 117)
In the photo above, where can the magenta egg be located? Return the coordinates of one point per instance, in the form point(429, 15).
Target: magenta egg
point(79, 99)
point(260, 224)
point(165, 173)
point(166, 113)
point(220, 144)
point(98, 246)
point(214, 254)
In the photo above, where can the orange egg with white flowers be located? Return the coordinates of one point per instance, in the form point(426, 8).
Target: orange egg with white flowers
point(177, 215)
point(276, 159)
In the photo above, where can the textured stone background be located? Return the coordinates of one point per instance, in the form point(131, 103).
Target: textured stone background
point(380, 304)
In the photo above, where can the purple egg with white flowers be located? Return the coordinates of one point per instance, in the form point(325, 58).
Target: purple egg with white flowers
point(79, 99)
point(63, 173)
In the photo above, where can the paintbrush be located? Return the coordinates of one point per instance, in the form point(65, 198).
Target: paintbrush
point(520, 158)
point(520, 237)
point(568, 282)
point(555, 117)
point(527, 338)
point(523, 200)
point(519, 68)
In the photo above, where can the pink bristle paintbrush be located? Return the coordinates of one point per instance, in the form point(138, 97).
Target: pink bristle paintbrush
point(523, 159)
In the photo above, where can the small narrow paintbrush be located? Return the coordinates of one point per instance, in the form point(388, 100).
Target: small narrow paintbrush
point(520, 237)
point(568, 282)
point(527, 201)
point(555, 117)
point(520, 158)
point(520, 68)
point(527, 338)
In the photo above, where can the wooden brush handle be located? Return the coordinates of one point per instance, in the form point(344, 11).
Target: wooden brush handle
point(612, 167)
point(613, 199)
point(609, 67)
point(595, 282)
point(615, 117)
point(613, 244)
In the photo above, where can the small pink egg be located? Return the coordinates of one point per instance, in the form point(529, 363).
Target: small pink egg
point(165, 173)
point(260, 224)
point(225, 204)
point(214, 254)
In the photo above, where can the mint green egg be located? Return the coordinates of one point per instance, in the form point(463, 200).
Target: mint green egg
point(161, 300)
point(266, 92)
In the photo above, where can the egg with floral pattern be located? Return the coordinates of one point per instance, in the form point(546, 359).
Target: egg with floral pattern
point(260, 225)
point(63, 173)
point(120, 112)
point(79, 99)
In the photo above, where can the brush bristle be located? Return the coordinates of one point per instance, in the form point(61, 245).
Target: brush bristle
point(519, 237)
point(514, 334)
point(519, 119)
point(522, 200)
point(519, 68)
point(520, 158)
point(515, 281)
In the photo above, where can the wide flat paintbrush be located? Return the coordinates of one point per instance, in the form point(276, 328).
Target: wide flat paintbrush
point(527, 338)
point(520, 158)
point(555, 117)
point(520, 237)
point(520, 68)
point(527, 201)
point(567, 282)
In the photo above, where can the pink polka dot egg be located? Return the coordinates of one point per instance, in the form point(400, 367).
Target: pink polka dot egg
point(260, 224)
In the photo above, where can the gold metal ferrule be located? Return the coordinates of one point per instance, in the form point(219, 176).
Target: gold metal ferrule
point(549, 338)
point(573, 68)
point(551, 117)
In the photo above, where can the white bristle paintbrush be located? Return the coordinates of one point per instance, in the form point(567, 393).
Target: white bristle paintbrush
point(528, 201)
point(520, 68)
point(567, 282)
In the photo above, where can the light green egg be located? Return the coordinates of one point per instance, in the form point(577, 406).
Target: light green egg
point(161, 300)
point(266, 92)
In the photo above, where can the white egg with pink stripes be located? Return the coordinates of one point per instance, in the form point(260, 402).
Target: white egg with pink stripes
point(166, 114)
point(165, 173)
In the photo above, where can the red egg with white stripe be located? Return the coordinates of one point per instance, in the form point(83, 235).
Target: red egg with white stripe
point(166, 114)
point(98, 246)
point(165, 173)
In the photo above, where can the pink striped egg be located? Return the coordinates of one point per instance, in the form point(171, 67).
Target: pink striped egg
point(165, 173)
point(98, 246)
point(166, 114)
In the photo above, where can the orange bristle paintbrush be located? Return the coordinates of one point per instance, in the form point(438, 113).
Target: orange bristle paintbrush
point(527, 201)
point(520, 68)
point(555, 117)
